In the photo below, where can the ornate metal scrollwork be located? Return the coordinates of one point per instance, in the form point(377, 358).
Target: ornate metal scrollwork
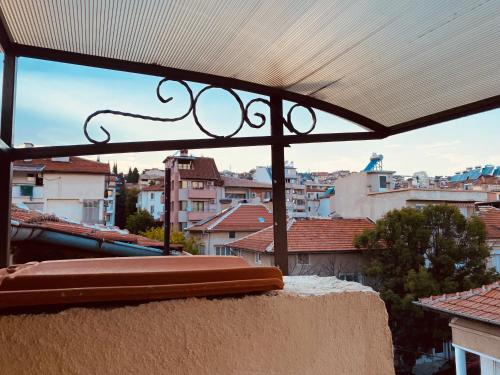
point(246, 116)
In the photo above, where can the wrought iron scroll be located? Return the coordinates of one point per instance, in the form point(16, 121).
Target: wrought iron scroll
point(247, 116)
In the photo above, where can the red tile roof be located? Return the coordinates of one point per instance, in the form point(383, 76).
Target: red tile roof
point(203, 169)
point(311, 235)
point(160, 187)
point(491, 218)
point(479, 304)
point(244, 183)
point(74, 165)
point(52, 222)
point(244, 217)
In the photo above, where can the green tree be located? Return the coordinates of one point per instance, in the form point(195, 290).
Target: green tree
point(115, 168)
point(416, 253)
point(131, 201)
point(135, 175)
point(140, 222)
point(129, 176)
point(190, 244)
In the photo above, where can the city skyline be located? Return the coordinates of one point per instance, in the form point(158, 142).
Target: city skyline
point(58, 97)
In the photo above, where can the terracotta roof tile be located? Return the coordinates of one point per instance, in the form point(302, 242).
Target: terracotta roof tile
point(160, 187)
point(491, 218)
point(245, 183)
point(244, 217)
point(74, 165)
point(479, 304)
point(52, 222)
point(203, 169)
point(310, 235)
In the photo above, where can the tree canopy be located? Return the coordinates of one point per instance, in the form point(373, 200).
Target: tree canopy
point(415, 253)
point(140, 221)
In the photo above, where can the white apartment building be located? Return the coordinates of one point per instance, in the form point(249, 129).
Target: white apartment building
point(150, 198)
point(371, 194)
point(295, 191)
point(70, 187)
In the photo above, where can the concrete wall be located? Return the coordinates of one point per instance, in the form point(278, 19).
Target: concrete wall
point(211, 239)
point(342, 331)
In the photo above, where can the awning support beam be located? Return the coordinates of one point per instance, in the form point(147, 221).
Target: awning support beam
point(7, 137)
point(278, 183)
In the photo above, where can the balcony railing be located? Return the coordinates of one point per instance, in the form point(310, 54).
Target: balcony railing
point(202, 194)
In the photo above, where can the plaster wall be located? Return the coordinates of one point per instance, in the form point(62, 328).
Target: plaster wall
point(332, 327)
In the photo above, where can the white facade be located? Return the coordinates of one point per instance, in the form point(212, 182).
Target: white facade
point(76, 196)
point(371, 194)
point(151, 201)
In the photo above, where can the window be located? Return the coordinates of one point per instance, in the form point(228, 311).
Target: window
point(420, 206)
point(383, 182)
point(152, 195)
point(184, 165)
point(350, 276)
point(184, 185)
point(90, 211)
point(258, 258)
point(197, 184)
point(183, 205)
point(198, 206)
point(302, 258)
point(223, 251)
point(26, 190)
point(232, 234)
point(235, 196)
point(182, 226)
point(152, 210)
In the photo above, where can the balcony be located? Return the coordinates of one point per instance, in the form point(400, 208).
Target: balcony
point(200, 215)
point(27, 191)
point(202, 194)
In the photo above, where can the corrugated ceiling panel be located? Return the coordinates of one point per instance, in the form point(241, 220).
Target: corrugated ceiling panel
point(389, 60)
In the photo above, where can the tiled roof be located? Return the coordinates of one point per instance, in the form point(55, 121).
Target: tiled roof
point(245, 183)
point(479, 304)
point(52, 222)
point(310, 235)
point(160, 187)
point(74, 165)
point(245, 217)
point(491, 218)
point(203, 169)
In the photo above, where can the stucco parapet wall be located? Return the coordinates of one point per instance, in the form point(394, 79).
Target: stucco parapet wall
point(435, 194)
point(314, 326)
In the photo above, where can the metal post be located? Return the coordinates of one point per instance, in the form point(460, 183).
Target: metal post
point(6, 135)
point(278, 175)
point(167, 198)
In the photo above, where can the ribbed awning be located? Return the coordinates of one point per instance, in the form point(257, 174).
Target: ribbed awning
point(402, 64)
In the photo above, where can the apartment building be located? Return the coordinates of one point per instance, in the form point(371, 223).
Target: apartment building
point(151, 199)
point(151, 176)
point(70, 187)
point(242, 190)
point(295, 191)
point(195, 189)
point(372, 193)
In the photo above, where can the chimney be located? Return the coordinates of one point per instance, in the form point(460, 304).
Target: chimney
point(184, 152)
point(28, 145)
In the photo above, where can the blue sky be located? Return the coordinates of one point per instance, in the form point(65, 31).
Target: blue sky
point(54, 99)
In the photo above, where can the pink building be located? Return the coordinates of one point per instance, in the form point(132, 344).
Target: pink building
point(196, 189)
